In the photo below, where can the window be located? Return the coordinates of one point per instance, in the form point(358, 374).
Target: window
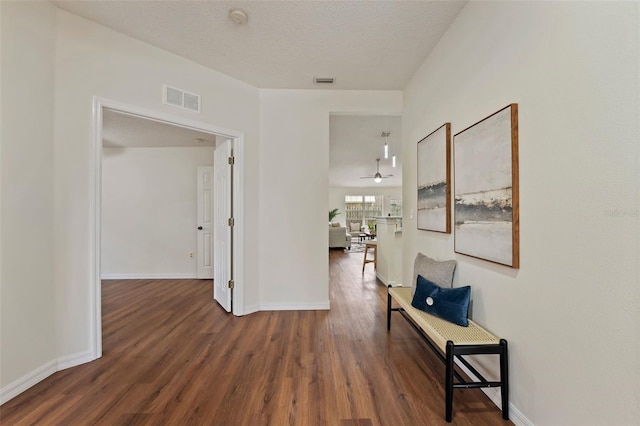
point(363, 209)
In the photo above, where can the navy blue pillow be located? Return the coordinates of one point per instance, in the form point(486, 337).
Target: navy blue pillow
point(451, 304)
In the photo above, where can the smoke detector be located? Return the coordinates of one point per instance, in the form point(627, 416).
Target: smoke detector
point(238, 16)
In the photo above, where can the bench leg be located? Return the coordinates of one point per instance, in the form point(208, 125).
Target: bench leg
point(449, 382)
point(388, 310)
point(504, 378)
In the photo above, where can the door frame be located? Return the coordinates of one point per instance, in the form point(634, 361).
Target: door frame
point(95, 283)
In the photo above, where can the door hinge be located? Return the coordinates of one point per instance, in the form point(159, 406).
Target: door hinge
point(230, 283)
point(231, 221)
point(232, 160)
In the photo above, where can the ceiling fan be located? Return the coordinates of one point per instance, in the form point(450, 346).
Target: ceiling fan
point(377, 178)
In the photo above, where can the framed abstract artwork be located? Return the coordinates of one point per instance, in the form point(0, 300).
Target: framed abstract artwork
point(486, 216)
point(434, 180)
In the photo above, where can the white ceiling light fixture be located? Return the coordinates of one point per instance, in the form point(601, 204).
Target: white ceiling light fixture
point(393, 160)
point(238, 16)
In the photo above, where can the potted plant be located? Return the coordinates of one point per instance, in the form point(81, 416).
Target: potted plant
point(332, 214)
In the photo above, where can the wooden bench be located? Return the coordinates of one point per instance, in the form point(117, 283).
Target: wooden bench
point(450, 341)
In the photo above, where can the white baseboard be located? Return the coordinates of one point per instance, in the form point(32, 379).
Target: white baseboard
point(251, 310)
point(306, 307)
point(382, 278)
point(25, 382)
point(296, 307)
point(148, 276)
point(386, 281)
point(494, 395)
point(515, 415)
point(72, 360)
point(39, 374)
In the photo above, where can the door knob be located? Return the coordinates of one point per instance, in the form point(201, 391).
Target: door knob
point(199, 228)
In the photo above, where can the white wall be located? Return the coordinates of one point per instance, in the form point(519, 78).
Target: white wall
point(337, 194)
point(27, 317)
point(149, 201)
point(92, 60)
point(571, 312)
point(294, 169)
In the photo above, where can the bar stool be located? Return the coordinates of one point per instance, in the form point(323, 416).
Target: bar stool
point(373, 245)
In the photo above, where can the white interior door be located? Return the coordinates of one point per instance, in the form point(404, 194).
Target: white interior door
point(204, 246)
point(222, 232)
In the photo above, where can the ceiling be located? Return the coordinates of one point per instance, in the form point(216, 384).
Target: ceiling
point(365, 45)
point(368, 45)
point(355, 143)
point(120, 130)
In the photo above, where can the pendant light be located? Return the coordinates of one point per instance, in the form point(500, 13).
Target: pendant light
point(385, 134)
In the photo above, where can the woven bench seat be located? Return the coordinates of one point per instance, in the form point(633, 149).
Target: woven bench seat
point(450, 342)
point(439, 330)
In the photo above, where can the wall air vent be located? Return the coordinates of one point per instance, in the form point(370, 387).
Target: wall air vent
point(180, 98)
point(324, 80)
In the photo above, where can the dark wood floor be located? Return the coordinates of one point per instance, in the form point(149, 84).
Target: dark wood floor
point(172, 356)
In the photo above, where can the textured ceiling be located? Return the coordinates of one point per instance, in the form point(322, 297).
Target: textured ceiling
point(362, 44)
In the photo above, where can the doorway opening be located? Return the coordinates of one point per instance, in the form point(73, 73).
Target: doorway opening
point(365, 169)
point(217, 136)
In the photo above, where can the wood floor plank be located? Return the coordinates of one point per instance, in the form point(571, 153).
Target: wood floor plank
point(173, 356)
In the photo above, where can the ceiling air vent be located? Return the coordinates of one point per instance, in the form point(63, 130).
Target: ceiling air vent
point(180, 98)
point(324, 80)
